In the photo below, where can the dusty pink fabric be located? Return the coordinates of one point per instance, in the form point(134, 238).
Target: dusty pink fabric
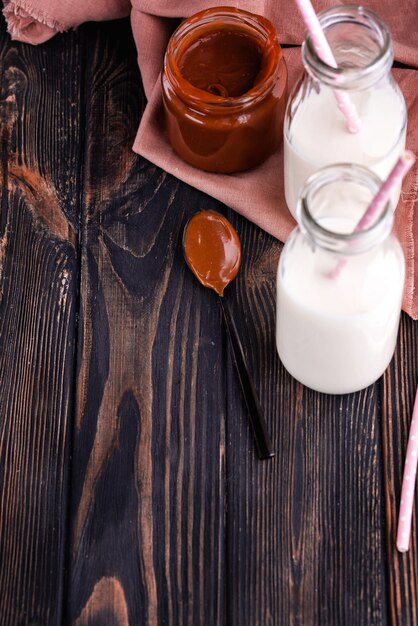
point(36, 21)
point(258, 194)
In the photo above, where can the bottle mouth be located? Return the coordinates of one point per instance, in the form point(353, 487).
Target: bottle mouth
point(319, 201)
point(212, 20)
point(361, 44)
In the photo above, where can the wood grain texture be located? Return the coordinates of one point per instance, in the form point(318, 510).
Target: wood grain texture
point(148, 454)
point(304, 531)
point(39, 109)
point(398, 393)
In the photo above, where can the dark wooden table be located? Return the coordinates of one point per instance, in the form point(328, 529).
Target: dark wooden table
point(130, 488)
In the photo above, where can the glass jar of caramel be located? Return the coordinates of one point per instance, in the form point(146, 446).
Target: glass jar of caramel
point(224, 87)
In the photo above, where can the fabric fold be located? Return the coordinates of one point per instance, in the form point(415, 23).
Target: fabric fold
point(36, 21)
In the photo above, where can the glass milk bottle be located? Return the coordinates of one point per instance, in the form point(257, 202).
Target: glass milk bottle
point(339, 293)
point(315, 130)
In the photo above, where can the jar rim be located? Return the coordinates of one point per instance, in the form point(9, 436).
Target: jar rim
point(250, 22)
point(356, 241)
point(359, 77)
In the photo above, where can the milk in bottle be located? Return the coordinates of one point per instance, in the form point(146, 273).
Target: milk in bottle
point(337, 334)
point(315, 132)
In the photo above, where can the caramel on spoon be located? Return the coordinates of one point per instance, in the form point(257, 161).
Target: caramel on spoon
point(212, 250)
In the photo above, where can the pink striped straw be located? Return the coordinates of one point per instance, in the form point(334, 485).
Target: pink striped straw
point(398, 173)
point(408, 484)
point(324, 52)
point(395, 178)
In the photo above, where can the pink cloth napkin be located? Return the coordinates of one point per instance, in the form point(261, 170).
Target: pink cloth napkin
point(258, 194)
point(36, 21)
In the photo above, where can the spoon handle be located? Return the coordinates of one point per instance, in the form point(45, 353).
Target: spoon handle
point(258, 424)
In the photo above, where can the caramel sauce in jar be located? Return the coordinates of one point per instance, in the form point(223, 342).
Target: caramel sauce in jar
point(224, 88)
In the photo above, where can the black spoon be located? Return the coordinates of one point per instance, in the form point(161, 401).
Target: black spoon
point(212, 250)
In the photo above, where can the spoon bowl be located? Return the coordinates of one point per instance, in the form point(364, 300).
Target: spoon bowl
point(212, 249)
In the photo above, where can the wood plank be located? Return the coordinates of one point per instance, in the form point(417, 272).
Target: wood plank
point(304, 531)
point(148, 458)
point(40, 126)
point(398, 394)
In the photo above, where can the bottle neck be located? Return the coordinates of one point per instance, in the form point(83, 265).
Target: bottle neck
point(332, 202)
point(361, 44)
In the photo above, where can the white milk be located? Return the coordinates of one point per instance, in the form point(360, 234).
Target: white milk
point(338, 335)
point(318, 136)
